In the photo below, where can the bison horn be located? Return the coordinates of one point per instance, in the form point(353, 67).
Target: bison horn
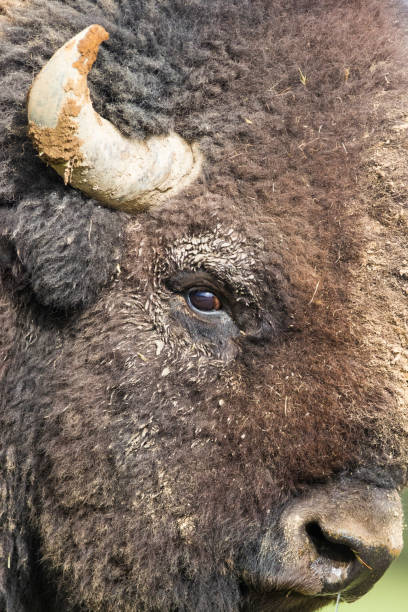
point(88, 151)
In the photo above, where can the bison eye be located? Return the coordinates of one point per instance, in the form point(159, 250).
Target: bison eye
point(203, 300)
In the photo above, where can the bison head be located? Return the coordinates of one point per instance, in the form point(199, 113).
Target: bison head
point(202, 404)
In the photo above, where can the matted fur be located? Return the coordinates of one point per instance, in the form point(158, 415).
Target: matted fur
point(143, 453)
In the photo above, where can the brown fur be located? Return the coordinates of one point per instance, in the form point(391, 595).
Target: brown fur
point(148, 451)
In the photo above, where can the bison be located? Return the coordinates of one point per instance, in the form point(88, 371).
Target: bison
point(203, 303)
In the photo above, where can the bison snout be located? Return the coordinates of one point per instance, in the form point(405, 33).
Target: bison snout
point(339, 538)
point(342, 540)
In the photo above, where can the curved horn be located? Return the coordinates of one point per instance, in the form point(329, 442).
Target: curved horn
point(88, 151)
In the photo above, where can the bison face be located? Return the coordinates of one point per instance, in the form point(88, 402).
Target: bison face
point(199, 411)
point(184, 416)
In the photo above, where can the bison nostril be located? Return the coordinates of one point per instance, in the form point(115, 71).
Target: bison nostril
point(336, 549)
point(326, 547)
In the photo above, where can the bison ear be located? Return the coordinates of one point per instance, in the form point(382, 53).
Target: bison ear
point(66, 247)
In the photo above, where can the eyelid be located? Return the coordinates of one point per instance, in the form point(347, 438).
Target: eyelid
point(184, 282)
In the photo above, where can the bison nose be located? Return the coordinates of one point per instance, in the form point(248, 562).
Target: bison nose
point(344, 560)
point(342, 540)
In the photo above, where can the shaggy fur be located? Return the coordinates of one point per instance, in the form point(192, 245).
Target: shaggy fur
point(146, 449)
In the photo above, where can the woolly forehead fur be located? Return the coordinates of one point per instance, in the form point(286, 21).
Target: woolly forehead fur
point(146, 431)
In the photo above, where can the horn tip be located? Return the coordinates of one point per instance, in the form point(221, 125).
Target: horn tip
point(88, 47)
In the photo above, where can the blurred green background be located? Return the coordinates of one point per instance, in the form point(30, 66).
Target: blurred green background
point(390, 594)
